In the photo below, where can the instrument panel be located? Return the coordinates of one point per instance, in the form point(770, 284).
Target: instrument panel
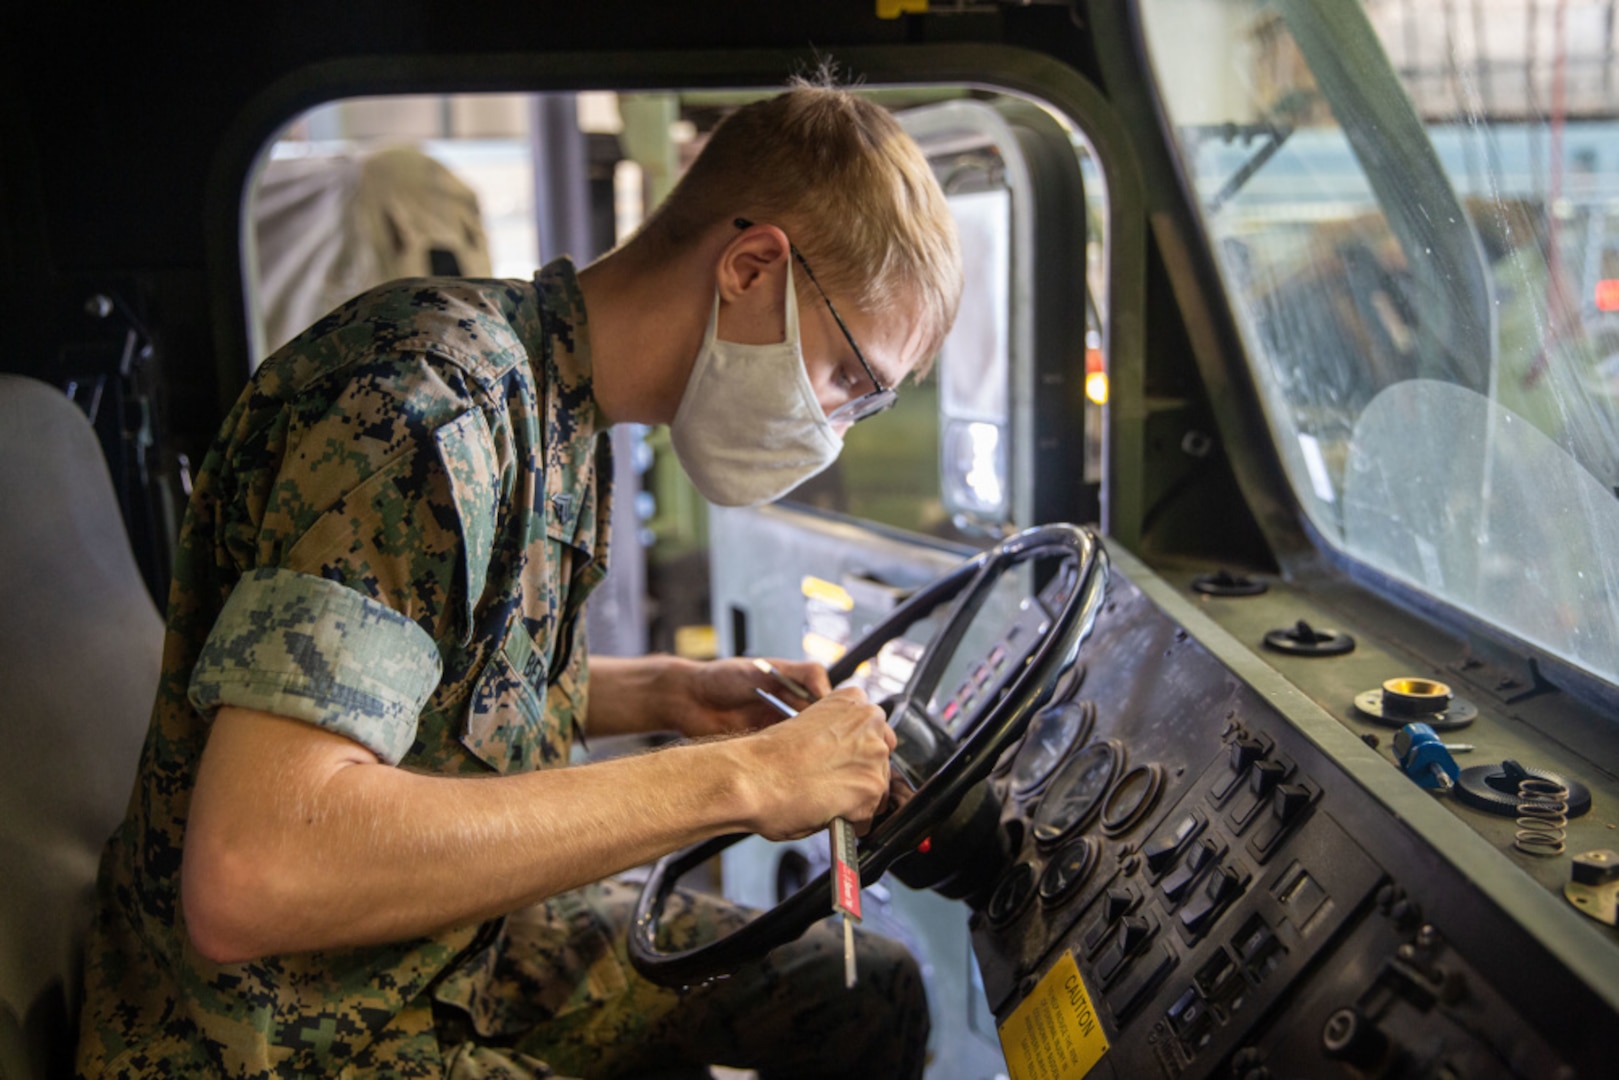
point(1238, 898)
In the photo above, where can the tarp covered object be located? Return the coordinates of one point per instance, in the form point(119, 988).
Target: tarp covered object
point(331, 227)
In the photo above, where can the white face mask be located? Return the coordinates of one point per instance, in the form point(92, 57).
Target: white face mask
point(749, 428)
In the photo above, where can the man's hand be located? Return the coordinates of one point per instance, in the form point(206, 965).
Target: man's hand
point(831, 760)
point(722, 698)
point(638, 695)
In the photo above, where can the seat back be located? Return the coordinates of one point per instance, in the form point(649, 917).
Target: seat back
point(80, 651)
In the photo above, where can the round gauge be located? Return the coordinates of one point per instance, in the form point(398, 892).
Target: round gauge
point(1132, 799)
point(1075, 791)
point(1055, 731)
point(1011, 894)
point(1067, 871)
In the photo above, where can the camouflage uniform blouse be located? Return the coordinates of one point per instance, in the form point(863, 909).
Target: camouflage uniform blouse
point(391, 538)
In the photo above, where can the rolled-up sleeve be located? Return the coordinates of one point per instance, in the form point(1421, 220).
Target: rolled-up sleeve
point(304, 647)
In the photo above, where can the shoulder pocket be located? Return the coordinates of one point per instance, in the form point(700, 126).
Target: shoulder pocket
point(466, 449)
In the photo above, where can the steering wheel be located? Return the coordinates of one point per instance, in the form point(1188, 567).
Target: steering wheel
point(954, 768)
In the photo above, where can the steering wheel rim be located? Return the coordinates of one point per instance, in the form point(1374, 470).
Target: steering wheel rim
point(1002, 723)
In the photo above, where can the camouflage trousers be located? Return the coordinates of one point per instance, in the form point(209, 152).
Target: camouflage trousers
point(557, 996)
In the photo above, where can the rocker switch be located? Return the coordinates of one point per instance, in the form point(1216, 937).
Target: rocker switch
point(1265, 776)
point(1115, 902)
point(1161, 850)
point(1287, 801)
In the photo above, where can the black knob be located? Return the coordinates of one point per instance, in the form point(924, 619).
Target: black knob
point(1350, 1037)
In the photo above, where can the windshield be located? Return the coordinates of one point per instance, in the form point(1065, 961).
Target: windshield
point(1415, 211)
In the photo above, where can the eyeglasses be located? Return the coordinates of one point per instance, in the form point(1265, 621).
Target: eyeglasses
point(870, 404)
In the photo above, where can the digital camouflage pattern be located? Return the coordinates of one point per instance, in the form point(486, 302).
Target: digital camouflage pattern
point(392, 538)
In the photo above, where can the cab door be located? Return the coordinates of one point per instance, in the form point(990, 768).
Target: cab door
point(997, 438)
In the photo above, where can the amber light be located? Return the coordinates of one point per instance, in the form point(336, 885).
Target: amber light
point(1607, 296)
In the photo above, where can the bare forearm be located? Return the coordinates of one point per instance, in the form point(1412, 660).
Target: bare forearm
point(633, 695)
point(358, 852)
point(299, 838)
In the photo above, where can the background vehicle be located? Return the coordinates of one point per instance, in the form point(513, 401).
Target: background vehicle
point(1358, 358)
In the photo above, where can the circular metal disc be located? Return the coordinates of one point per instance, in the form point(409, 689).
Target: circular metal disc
point(1332, 643)
point(1474, 788)
point(1227, 584)
point(1459, 714)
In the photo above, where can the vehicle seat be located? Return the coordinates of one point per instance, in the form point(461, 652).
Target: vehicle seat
point(80, 650)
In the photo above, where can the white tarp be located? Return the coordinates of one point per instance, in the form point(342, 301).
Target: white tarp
point(330, 227)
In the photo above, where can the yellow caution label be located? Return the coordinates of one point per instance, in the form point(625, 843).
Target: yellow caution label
point(893, 9)
point(1054, 1033)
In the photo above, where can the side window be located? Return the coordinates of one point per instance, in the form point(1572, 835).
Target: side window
point(1423, 285)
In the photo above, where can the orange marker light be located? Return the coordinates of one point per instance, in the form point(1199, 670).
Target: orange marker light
point(1607, 296)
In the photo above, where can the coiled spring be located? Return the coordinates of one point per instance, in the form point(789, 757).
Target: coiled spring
point(1542, 816)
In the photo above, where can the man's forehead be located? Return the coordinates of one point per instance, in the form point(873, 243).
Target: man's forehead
point(896, 348)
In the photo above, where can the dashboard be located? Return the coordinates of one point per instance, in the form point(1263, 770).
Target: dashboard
point(1203, 872)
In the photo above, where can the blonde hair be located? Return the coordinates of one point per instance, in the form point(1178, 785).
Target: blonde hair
point(850, 188)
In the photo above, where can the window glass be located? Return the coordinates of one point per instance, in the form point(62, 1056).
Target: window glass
point(1415, 210)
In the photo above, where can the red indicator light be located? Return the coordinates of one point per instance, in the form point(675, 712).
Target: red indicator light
point(925, 846)
point(1607, 296)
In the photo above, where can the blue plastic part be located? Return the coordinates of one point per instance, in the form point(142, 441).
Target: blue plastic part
point(1423, 757)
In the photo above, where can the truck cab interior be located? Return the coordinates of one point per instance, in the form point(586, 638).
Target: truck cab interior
point(1243, 584)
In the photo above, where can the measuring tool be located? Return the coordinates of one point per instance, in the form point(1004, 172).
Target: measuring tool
point(845, 859)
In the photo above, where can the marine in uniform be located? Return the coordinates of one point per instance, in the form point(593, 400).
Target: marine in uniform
point(391, 542)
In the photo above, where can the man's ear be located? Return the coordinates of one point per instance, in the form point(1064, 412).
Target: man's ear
point(755, 254)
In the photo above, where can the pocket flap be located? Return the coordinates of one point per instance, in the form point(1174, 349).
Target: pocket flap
point(466, 448)
point(508, 727)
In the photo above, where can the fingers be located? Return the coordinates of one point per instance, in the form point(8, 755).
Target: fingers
point(863, 730)
point(807, 674)
point(829, 761)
